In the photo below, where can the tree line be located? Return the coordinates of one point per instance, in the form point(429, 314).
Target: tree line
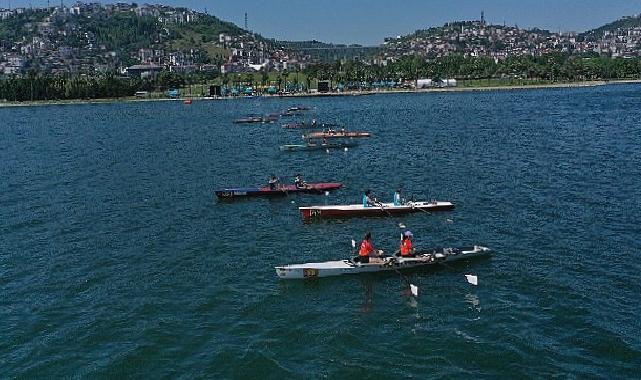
point(44, 87)
point(551, 67)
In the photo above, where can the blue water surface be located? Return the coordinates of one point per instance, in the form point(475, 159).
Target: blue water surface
point(117, 261)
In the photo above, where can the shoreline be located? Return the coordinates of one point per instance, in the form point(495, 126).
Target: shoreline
point(37, 103)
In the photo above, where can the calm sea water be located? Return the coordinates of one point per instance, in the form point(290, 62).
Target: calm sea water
point(116, 260)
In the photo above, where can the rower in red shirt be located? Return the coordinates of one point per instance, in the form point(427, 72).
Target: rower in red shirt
point(367, 250)
point(407, 250)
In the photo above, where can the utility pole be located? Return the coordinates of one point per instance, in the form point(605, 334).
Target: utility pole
point(246, 21)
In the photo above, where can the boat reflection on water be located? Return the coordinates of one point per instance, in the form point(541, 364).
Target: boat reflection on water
point(368, 295)
point(474, 302)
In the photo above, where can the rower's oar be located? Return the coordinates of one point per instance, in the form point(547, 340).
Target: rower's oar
point(471, 279)
point(413, 288)
point(474, 280)
point(420, 209)
point(400, 225)
point(384, 210)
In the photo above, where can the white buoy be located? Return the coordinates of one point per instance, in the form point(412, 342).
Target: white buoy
point(327, 193)
point(346, 149)
point(474, 280)
point(292, 202)
point(414, 290)
point(353, 243)
point(401, 225)
point(449, 220)
point(327, 150)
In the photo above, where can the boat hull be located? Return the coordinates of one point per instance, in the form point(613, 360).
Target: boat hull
point(344, 267)
point(312, 147)
point(283, 190)
point(387, 209)
point(335, 135)
point(309, 126)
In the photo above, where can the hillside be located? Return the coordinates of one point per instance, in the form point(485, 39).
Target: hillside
point(91, 39)
point(624, 23)
point(479, 39)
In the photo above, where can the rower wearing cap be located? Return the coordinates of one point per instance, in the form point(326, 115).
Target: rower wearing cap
point(407, 250)
point(367, 251)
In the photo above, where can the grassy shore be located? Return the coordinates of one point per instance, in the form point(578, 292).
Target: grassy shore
point(463, 87)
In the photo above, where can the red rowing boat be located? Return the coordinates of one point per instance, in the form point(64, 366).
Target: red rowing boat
point(280, 190)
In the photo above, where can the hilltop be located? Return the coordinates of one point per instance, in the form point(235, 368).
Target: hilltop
point(95, 38)
point(624, 24)
point(621, 38)
point(91, 39)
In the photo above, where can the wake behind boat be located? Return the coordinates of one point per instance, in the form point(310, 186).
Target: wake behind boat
point(280, 190)
point(389, 263)
point(384, 209)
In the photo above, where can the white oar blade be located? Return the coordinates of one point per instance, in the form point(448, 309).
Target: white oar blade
point(414, 290)
point(474, 280)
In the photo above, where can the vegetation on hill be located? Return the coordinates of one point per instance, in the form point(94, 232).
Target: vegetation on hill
point(20, 25)
point(623, 23)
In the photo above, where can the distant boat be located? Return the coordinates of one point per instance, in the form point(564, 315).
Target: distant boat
point(249, 119)
point(313, 146)
point(187, 101)
point(280, 190)
point(304, 125)
point(271, 118)
point(298, 108)
point(335, 135)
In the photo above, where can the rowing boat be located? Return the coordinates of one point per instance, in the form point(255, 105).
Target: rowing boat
point(385, 209)
point(298, 108)
point(335, 135)
point(311, 146)
point(308, 126)
point(249, 120)
point(281, 190)
point(387, 263)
